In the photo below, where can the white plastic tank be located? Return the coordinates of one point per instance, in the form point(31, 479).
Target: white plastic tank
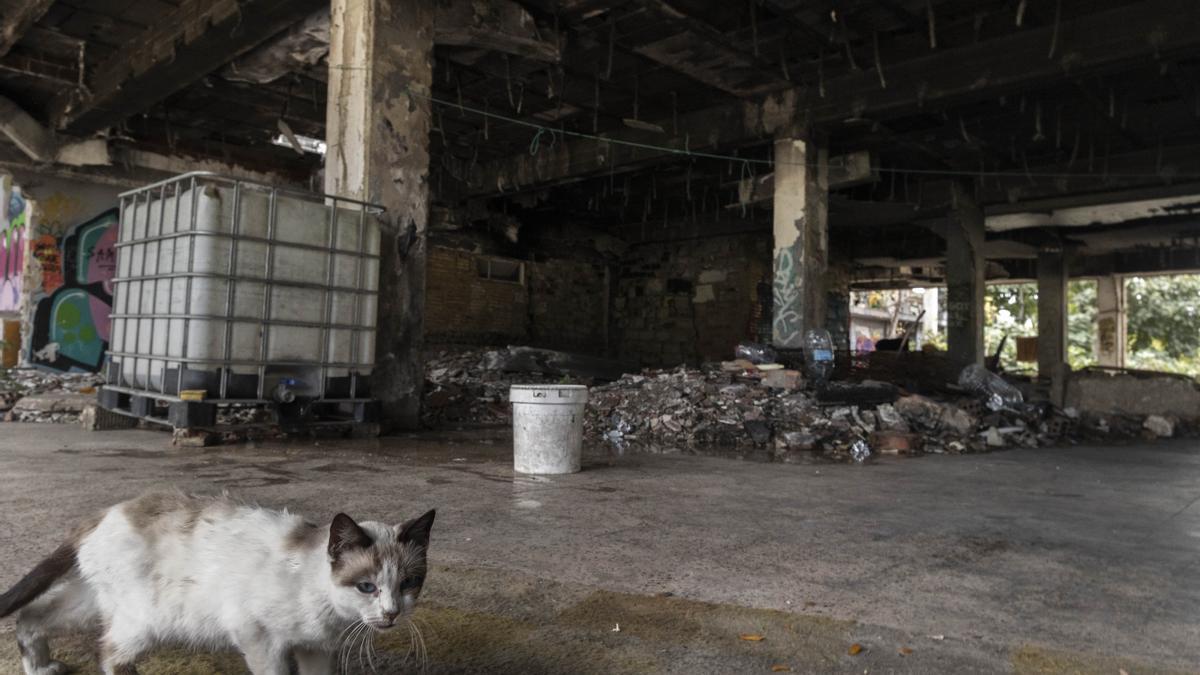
point(237, 288)
point(547, 427)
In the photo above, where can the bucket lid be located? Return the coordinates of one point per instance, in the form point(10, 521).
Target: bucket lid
point(548, 394)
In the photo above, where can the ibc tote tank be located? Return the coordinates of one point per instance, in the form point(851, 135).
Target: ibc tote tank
point(244, 290)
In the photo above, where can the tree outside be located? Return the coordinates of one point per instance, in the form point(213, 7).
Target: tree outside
point(1162, 330)
point(1162, 315)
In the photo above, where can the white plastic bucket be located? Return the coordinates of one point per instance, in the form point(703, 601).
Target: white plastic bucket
point(547, 427)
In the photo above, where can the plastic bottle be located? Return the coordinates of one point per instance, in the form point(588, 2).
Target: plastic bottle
point(995, 392)
point(818, 355)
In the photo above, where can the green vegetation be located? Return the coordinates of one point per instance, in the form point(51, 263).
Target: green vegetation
point(1163, 329)
point(1163, 315)
point(1009, 309)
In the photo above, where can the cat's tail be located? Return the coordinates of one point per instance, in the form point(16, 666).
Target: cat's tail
point(56, 566)
point(39, 580)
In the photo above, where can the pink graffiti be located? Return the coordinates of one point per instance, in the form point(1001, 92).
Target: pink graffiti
point(102, 263)
point(102, 266)
point(12, 258)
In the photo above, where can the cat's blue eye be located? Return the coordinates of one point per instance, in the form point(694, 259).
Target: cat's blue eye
point(365, 587)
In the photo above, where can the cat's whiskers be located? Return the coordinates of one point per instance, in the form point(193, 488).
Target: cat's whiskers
point(370, 645)
point(366, 641)
point(345, 643)
point(418, 645)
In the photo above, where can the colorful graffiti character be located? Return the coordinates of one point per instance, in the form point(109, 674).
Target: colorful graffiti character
point(12, 253)
point(71, 324)
point(46, 251)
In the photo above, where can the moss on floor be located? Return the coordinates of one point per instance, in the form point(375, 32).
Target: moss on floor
point(1035, 660)
point(492, 621)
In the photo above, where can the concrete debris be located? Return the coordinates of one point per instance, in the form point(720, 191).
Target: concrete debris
point(550, 362)
point(468, 388)
point(1160, 426)
point(29, 395)
point(783, 379)
point(993, 438)
point(95, 418)
point(723, 406)
point(889, 418)
point(735, 404)
point(896, 442)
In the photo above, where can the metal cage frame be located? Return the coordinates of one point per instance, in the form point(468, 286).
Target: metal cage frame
point(116, 373)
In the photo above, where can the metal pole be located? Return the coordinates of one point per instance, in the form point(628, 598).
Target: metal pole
point(236, 227)
point(327, 311)
point(268, 286)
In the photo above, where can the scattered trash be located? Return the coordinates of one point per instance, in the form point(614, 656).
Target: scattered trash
point(818, 355)
point(855, 649)
point(937, 637)
point(860, 451)
point(992, 388)
point(993, 438)
point(755, 353)
point(905, 651)
point(617, 628)
point(739, 405)
point(752, 637)
point(781, 668)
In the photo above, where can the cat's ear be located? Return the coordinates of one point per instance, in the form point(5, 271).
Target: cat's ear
point(345, 534)
point(417, 531)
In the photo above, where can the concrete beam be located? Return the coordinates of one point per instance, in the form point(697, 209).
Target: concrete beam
point(845, 171)
point(197, 37)
point(497, 25)
point(378, 151)
point(1099, 42)
point(16, 16)
point(705, 54)
point(25, 132)
point(1110, 213)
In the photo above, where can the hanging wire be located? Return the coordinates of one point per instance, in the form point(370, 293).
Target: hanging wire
point(747, 163)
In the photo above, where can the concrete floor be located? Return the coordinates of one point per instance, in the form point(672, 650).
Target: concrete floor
point(1052, 560)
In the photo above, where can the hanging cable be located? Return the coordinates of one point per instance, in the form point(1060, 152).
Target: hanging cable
point(747, 163)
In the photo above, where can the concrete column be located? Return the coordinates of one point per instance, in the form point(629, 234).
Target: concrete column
point(1052, 321)
point(801, 258)
point(965, 268)
point(377, 131)
point(933, 313)
point(1109, 346)
point(837, 305)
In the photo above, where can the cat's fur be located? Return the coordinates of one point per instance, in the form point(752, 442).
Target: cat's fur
point(208, 572)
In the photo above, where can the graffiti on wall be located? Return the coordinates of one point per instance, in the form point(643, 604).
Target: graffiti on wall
point(71, 316)
point(12, 251)
point(787, 323)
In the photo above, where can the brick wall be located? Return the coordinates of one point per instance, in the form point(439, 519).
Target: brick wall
point(558, 304)
point(568, 305)
point(463, 308)
point(690, 301)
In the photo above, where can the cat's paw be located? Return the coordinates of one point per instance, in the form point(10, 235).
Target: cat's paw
point(52, 668)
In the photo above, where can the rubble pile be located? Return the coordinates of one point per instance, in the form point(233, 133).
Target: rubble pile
point(28, 395)
point(739, 406)
point(462, 390)
point(743, 404)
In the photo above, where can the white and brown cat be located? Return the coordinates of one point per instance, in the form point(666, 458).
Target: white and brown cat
point(210, 573)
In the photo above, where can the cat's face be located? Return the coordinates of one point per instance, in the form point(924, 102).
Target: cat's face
point(377, 569)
